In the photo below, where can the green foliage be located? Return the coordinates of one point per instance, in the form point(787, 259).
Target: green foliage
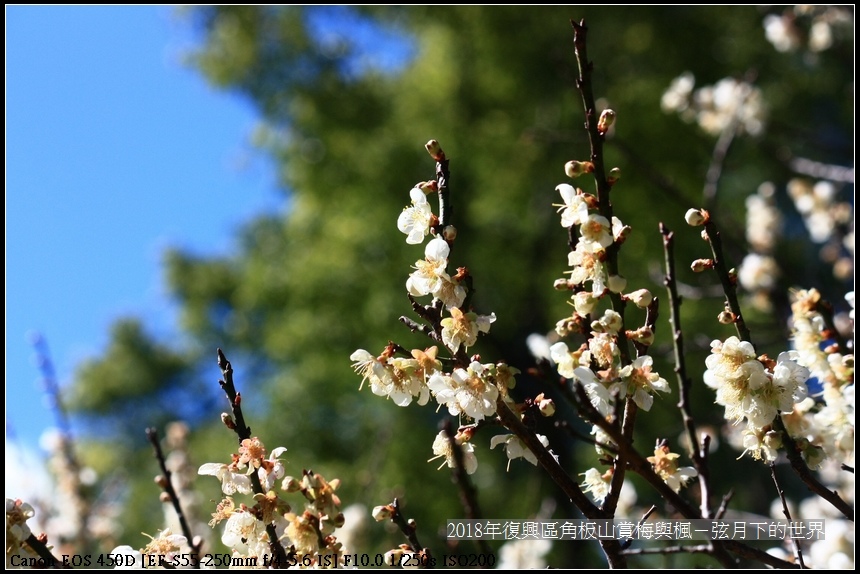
point(325, 276)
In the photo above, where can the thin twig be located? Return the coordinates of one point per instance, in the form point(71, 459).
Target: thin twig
point(798, 555)
point(729, 285)
point(409, 529)
point(699, 457)
point(167, 485)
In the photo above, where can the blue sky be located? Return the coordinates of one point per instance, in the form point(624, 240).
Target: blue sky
point(115, 150)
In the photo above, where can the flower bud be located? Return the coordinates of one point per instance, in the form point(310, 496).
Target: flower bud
point(428, 187)
point(449, 233)
point(613, 176)
point(616, 283)
point(561, 284)
point(435, 150)
point(643, 335)
point(381, 513)
point(290, 484)
point(164, 497)
point(607, 118)
point(160, 480)
point(228, 421)
point(726, 318)
point(700, 265)
point(545, 405)
point(696, 217)
point(641, 298)
point(575, 168)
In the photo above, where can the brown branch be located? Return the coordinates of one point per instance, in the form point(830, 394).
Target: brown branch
point(698, 456)
point(795, 457)
point(167, 485)
point(798, 555)
point(729, 285)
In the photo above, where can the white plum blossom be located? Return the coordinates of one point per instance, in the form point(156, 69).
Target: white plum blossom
point(399, 379)
point(467, 391)
point(245, 534)
point(563, 359)
point(596, 233)
point(574, 211)
point(597, 484)
point(587, 266)
point(640, 382)
point(463, 328)
point(584, 303)
point(429, 274)
point(515, 448)
point(666, 466)
point(442, 448)
point(414, 221)
point(734, 372)
point(232, 478)
point(758, 272)
point(597, 392)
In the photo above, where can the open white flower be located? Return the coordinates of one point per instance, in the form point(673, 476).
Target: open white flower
point(430, 273)
point(232, 478)
point(414, 221)
point(574, 211)
point(597, 484)
point(666, 466)
point(463, 328)
point(442, 448)
point(515, 448)
point(467, 391)
point(641, 382)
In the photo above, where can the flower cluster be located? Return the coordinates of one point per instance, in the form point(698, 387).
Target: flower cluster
point(729, 103)
point(469, 387)
point(831, 424)
point(755, 389)
point(249, 529)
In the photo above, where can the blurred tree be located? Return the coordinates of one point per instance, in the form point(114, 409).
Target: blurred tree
point(308, 285)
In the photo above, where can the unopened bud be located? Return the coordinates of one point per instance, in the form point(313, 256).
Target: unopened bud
point(428, 186)
point(641, 298)
point(607, 118)
point(449, 233)
point(164, 497)
point(700, 265)
point(733, 276)
point(616, 283)
point(160, 480)
point(643, 335)
point(545, 405)
point(435, 150)
point(228, 421)
point(575, 168)
point(613, 176)
point(726, 318)
point(705, 236)
point(290, 484)
point(381, 513)
point(591, 201)
point(561, 284)
point(696, 217)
